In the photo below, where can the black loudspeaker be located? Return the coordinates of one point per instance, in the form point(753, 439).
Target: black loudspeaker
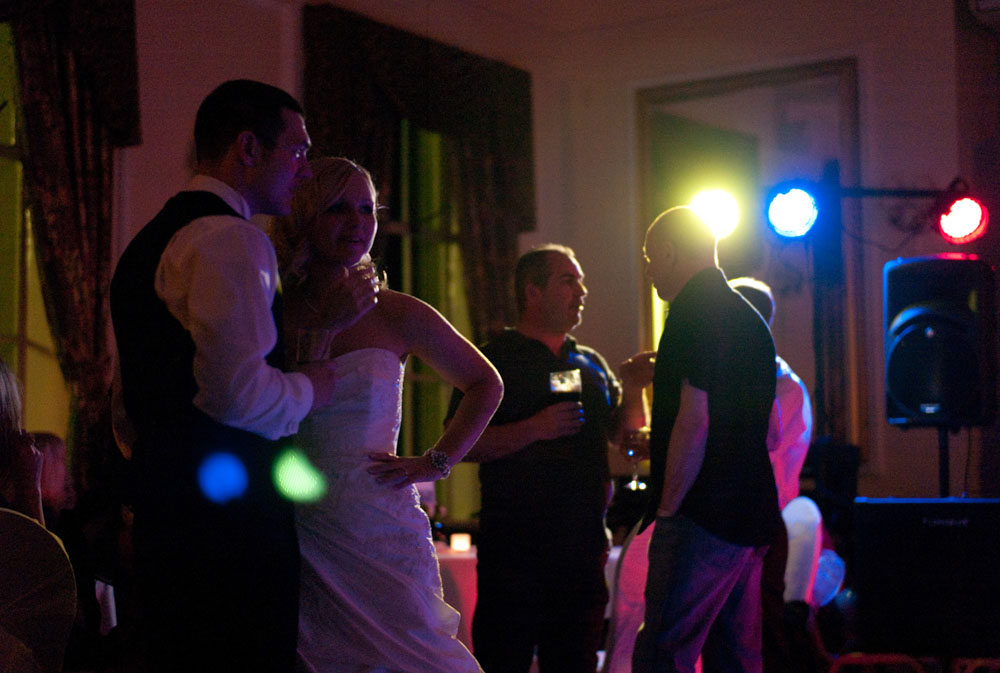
point(925, 576)
point(940, 341)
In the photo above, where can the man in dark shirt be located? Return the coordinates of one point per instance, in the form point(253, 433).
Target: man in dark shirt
point(712, 489)
point(542, 543)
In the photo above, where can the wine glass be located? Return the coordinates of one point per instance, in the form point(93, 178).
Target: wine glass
point(636, 445)
point(312, 345)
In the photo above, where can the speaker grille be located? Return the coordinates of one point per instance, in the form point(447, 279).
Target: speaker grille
point(931, 367)
point(940, 341)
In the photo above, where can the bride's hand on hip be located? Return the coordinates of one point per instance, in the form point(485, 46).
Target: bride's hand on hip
point(401, 471)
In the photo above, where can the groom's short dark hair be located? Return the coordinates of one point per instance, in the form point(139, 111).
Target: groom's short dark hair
point(236, 106)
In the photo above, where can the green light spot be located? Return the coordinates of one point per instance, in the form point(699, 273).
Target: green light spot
point(296, 478)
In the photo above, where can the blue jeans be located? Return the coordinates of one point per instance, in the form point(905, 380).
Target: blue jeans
point(697, 580)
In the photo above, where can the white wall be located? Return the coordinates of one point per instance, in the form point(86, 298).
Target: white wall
point(584, 92)
point(185, 49)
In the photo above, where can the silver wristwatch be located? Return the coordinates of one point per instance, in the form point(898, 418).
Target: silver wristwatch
point(439, 461)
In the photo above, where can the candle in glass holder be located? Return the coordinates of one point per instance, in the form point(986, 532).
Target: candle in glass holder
point(460, 541)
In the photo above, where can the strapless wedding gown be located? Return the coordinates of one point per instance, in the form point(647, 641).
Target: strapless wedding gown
point(371, 595)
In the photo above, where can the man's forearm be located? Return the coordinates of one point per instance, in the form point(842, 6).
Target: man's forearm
point(631, 415)
point(686, 450)
point(683, 464)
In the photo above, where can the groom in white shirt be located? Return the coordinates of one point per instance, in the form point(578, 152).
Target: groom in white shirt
point(196, 309)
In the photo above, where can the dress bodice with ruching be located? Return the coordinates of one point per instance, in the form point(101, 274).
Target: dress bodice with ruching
point(365, 413)
point(371, 598)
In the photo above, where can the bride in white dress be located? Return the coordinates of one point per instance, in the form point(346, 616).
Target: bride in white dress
point(371, 596)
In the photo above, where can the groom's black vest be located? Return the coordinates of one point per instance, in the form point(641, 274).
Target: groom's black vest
point(218, 581)
point(156, 357)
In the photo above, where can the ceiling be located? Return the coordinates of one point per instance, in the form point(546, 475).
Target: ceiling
point(571, 16)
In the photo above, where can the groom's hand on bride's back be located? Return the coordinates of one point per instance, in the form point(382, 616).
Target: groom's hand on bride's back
point(323, 376)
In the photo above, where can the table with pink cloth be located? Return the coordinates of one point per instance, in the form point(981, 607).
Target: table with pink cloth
point(458, 578)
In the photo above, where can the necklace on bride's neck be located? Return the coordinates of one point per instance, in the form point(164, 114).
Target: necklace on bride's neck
point(305, 293)
point(309, 304)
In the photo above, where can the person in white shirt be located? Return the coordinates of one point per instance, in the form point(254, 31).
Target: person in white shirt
point(195, 303)
point(788, 435)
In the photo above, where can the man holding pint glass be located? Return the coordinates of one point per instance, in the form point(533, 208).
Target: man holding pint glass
point(542, 543)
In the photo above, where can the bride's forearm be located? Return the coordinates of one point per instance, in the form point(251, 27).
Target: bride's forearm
point(471, 417)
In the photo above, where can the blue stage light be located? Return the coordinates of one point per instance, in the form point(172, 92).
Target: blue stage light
point(792, 211)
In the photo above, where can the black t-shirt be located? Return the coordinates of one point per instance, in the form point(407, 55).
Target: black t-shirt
point(551, 493)
point(714, 338)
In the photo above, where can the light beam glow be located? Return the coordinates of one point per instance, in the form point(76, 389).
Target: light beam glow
point(792, 213)
point(296, 478)
point(222, 477)
point(719, 209)
point(965, 221)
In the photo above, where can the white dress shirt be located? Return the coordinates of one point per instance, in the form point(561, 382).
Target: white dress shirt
point(218, 277)
point(789, 431)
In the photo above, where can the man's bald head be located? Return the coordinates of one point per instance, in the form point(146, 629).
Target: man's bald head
point(678, 245)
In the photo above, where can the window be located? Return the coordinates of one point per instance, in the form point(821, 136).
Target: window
point(421, 252)
point(25, 338)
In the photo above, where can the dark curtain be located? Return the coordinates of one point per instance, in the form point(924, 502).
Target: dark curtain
point(363, 78)
point(79, 94)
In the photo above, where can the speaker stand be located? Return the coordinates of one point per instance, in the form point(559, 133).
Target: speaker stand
point(943, 463)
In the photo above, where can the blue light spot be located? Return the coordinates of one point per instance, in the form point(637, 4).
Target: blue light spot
point(792, 213)
point(222, 477)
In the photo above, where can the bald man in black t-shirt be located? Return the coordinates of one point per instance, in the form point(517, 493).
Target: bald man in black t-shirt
point(712, 491)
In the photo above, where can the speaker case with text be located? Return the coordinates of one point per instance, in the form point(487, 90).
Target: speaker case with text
point(927, 576)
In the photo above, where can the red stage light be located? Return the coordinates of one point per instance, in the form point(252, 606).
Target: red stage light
point(964, 220)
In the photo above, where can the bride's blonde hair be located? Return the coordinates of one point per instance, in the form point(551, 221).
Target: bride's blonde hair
point(290, 234)
point(10, 417)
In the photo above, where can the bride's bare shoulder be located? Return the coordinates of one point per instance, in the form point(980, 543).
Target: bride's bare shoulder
point(412, 320)
point(402, 306)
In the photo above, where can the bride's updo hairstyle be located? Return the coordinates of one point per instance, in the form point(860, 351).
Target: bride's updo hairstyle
point(290, 234)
